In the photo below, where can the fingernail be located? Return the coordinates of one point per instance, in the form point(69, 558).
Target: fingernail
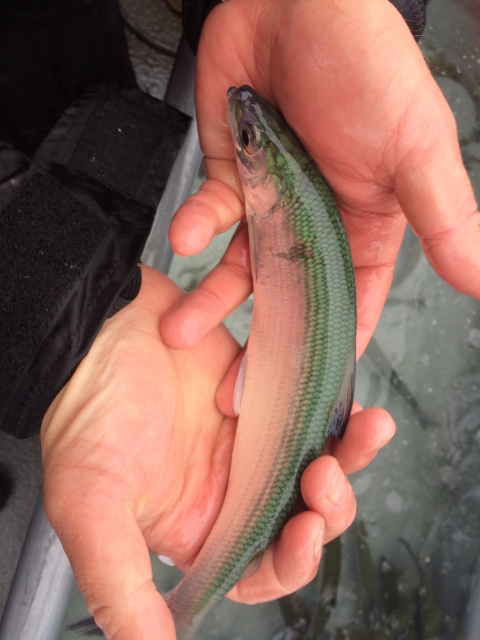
point(387, 438)
point(337, 491)
point(318, 543)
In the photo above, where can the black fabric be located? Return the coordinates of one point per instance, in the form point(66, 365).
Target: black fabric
point(195, 12)
point(43, 230)
point(51, 52)
point(124, 140)
point(128, 293)
point(41, 10)
point(414, 12)
point(125, 150)
point(71, 237)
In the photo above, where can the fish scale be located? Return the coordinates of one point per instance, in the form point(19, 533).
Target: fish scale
point(298, 385)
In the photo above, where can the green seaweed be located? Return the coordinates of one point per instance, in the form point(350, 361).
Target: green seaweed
point(366, 568)
point(375, 352)
point(296, 615)
point(388, 613)
point(389, 579)
point(429, 618)
point(328, 588)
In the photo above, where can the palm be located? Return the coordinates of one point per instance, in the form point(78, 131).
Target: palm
point(137, 456)
point(168, 454)
point(346, 143)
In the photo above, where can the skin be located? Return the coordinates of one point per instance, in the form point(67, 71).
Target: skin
point(136, 455)
point(137, 445)
point(353, 84)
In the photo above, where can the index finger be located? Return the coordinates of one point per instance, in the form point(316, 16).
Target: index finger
point(213, 209)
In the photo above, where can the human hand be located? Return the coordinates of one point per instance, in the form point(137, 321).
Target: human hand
point(351, 81)
point(136, 457)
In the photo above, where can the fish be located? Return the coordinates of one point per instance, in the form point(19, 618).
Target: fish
point(296, 384)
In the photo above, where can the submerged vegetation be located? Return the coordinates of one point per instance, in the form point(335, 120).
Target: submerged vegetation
point(386, 610)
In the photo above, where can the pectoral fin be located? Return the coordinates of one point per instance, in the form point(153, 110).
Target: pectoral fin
point(253, 566)
point(253, 240)
point(239, 384)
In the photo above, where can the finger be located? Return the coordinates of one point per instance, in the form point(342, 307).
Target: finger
point(110, 560)
point(215, 74)
point(436, 195)
point(326, 491)
point(288, 564)
point(224, 289)
point(214, 208)
point(367, 432)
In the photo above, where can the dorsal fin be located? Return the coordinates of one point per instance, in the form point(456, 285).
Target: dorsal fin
point(343, 404)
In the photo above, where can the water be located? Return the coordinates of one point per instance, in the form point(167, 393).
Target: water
point(409, 568)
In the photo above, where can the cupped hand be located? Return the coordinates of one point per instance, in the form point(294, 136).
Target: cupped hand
point(136, 452)
point(351, 81)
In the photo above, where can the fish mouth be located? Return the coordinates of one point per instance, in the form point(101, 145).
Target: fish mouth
point(243, 93)
point(231, 92)
point(240, 101)
point(244, 108)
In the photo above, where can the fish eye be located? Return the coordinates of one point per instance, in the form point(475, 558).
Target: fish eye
point(249, 137)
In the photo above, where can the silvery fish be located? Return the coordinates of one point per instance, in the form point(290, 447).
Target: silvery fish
point(296, 382)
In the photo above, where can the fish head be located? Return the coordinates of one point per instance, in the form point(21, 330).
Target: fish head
point(266, 150)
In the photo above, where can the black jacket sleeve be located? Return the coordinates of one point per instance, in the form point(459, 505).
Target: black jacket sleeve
point(73, 223)
point(84, 160)
point(195, 13)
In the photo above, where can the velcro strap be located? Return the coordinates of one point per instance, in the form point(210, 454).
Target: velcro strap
point(72, 229)
point(124, 140)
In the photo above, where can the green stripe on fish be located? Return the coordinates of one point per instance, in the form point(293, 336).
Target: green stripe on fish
point(299, 375)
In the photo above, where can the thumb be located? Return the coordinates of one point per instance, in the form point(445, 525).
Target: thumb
point(435, 193)
point(111, 564)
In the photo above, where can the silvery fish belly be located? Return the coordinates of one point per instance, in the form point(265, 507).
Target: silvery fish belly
point(299, 366)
